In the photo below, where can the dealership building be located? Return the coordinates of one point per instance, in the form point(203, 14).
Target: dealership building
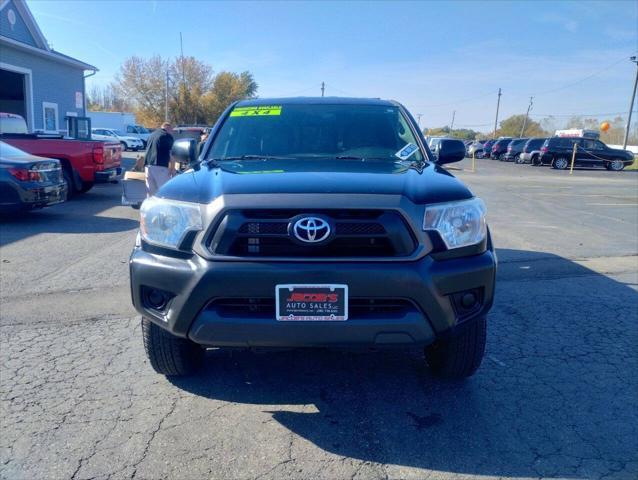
point(38, 83)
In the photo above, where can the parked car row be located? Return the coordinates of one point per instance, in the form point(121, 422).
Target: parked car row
point(27, 181)
point(33, 166)
point(553, 151)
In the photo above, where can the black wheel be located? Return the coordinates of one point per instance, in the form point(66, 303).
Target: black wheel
point(168, 354)
point(517, 158)
point(615, 165)
point(560, 163)
point(124, 147)
point(535, 161)
point(70, 185)
point(460, 355)
point(86, 186)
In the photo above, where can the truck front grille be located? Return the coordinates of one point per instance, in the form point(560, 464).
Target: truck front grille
point(265, 307)
point(267, 233)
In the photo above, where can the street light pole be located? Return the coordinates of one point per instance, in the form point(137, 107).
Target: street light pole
point(631, 103)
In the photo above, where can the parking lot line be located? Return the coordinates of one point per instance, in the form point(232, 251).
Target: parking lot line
point(615, 204)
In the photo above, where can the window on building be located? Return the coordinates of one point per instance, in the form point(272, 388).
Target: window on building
point(50, 117)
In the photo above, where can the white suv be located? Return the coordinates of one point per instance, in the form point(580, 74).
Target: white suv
point(128, 142)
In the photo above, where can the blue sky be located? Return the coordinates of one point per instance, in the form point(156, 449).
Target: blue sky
point(435, 57)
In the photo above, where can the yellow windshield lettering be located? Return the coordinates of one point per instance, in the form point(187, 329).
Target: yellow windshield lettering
point(256, 111)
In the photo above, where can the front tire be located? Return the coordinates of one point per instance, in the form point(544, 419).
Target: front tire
point(615, 165)
point(560, 163)
point(460, 355)
point(70, 184)
point(124, 146)
point(517, 158)
point(168, 354)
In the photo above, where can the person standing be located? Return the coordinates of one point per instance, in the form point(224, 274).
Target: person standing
point(158, 162)
point(202, 141)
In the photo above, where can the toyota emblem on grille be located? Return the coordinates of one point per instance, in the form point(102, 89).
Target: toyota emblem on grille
point(311, 229)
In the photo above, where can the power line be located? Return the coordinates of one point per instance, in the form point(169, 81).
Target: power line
point(576, 114)
point(483, 95)
point(598, 72)
point(475, 125)
point(340, 91)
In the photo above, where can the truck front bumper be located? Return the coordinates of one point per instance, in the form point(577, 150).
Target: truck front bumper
point(197, 293)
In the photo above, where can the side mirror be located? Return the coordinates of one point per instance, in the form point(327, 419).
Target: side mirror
point(450, 150)
point(185, 151)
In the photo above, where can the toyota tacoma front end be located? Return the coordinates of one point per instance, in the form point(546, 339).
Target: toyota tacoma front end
point(313, 223)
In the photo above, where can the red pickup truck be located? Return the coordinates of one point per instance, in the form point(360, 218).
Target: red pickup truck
point(84, 161)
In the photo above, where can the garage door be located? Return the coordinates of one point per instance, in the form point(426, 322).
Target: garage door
point(12, 94)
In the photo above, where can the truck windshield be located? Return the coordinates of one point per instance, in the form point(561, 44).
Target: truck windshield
point(315, 131)
point(12, 124)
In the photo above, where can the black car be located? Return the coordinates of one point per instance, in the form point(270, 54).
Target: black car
point(487, 148)
point(590, 152)
point(499, 149)
point(531, 151)
point(514, 150)
point(28, 182)
point(314, 222)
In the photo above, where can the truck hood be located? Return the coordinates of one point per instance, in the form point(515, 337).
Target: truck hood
point(429, 184)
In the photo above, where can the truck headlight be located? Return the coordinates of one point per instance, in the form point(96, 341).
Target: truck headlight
point(459, 223)
point(165, 222)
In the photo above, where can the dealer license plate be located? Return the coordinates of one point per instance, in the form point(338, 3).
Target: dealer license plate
point(311, 302)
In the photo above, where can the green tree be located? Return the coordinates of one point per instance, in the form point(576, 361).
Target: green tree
point(106, 98)
point(512, 126)
point(193, 79)
point(227, 88)
point(143, 81)
point(195, 95)
point(462, 133)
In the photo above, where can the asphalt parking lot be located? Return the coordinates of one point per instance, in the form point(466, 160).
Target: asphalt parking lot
point(555, 396)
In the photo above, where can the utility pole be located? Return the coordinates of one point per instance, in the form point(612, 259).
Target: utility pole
point(323, 87)
point(452, 124)
point(529, 107)
point(418, 119)
point(498, 104)
point(181, 63)
point(631, 103)
point(166, 98)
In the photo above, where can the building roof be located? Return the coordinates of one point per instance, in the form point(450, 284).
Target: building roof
point(41, 47)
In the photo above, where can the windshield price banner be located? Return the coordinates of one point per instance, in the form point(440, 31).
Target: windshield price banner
point(257, 111)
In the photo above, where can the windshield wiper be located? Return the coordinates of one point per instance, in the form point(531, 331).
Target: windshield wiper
point(354, 157)
point(249, 157)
